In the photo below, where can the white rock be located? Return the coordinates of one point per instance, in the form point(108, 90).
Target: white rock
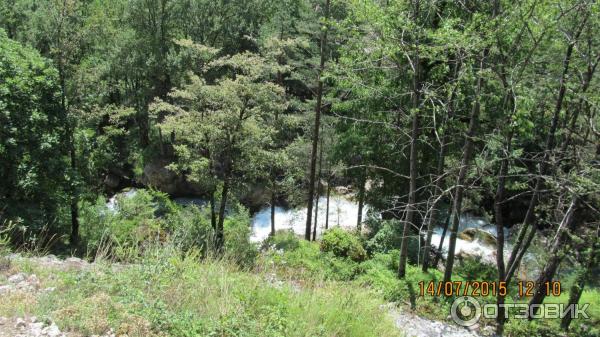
point(4, 289)
point(3, 320)
point(75, 260)
point(17, 278)
point(35, 329)
point(20, 324)
point(33, 279)
point(51, 331)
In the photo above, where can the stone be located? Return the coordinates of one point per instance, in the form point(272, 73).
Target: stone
point(33, 280)
point(112, 180)
point(35, 329)
point(156, 174)
point(4, 263)
point(342, 190)
point(472, 234)
point(17, 278)
point(51, 331)
point(488, 331)
point(73, 259)
point(3, 320)
point(20, 323)
point(5, 289)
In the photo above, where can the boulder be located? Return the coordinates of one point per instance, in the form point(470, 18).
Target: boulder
point(255, 197)
point(17, 278)
point(342, 190)
point(472, 234)
point(112, 181)
point(158, 175)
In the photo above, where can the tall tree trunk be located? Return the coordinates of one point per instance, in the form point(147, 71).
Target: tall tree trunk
point(327, 207)
point(524, 241)
point(438, 254)
point(583, 276)
point(462, 174)
point(213, 211)
point(74, 239)
point(439, 173)
point(70, 138)
point(556, 256)
point(414, 137)
point(314, 233)
point(410, 207)
point(498, 201)
point(220, 228)
point(361, 203)
point(317, 126)
point(273, 197)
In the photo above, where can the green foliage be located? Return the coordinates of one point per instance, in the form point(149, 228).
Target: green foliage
point(386, 236)
point(237, 247)
point(127, 225)
point(31, 135)
point(141, 218)
point(523, 327)
point(5, 230)
point(175, 295)
point(472, 269)
point(343, 244)
point(307, 261)
point(285, 240)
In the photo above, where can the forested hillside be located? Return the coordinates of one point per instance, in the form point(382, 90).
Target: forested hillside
point(304, 165)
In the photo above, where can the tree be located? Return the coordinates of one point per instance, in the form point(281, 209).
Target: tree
point(317, 125)
point(414, 138)
point(524, 239)
point(223, 130)
point(32, 137)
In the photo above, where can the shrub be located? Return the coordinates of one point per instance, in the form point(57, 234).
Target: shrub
point(343, 244)
point(282, 240)
point(130, 223)
point(471, 269)
point(144, 217)
point(190, 228)
point(521, 327)
point(237, 238)
point(389, 237)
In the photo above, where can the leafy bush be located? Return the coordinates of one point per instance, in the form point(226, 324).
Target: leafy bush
point(174, 294)
point(471, 269)
point(307, 261)
point(522, 327)
point(282, 240)
point(141, 218)
point(389, 237)
point(131, 222)
point(237, 238)
point(586, 328)
point(190, 228)
point(5, 229)
point(386, 236)
point(343, 244)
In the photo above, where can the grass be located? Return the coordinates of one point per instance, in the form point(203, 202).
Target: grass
point(292, 290)
point(307, 265)
point(173, 295)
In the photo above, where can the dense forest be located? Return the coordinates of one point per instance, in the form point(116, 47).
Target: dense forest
point(131, 129)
